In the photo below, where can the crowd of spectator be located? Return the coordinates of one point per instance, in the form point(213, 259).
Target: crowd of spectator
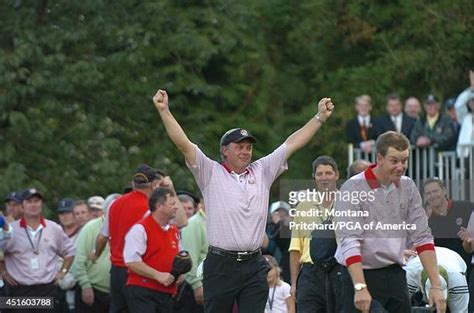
point(103, 254)
point(445, 129)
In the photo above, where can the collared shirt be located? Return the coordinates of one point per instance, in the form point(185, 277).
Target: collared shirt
point(237, 211)
point(301, 231)
point(397, 122)
point(380, 223)
point(364, 120)
point(87, 273)
point(28, 268)
point(432, 120)
point(194, 238)
point(34, 232)
point(136, 243)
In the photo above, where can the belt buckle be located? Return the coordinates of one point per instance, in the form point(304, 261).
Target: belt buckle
point(240, 255)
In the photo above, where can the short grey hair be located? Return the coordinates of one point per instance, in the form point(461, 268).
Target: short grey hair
point(186, 198)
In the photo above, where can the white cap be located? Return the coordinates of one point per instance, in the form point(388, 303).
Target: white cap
point(275, 206)
point(96, 202)
point(110, 198)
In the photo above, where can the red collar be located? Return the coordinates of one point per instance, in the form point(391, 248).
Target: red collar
point(450, 206)
point(23, 222)
point(74, 232)
point(372, 180)
point(230, 171)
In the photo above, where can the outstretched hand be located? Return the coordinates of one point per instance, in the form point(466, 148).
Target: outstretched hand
point(161, 100)
point(325, 108)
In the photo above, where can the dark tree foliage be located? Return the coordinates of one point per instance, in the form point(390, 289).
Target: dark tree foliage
point(77, 78)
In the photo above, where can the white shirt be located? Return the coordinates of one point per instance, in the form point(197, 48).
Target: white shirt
point(458, 291)
point(277, 296)
point(364, 120)
point(397, 122)
point(236, 211)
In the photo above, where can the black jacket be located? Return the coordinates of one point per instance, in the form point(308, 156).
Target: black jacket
point(442, 134)
point(353, 131)
point(385, 124)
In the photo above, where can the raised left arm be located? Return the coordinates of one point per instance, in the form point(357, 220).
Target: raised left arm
point(302, 136)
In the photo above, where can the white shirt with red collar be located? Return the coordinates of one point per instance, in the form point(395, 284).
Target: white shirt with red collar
point(393, 219)
point(48, 241)
point(237, 205)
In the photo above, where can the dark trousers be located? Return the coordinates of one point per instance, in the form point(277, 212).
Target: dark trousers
point(334, 293)
point(101, 302)
point(41, 290)
point(118, 291)
point(227, 280)
point(311, 290)
point(146, 300)
point(387, 285)
point(184, 301)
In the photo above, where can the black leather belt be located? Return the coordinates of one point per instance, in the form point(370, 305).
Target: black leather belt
point(239, 256)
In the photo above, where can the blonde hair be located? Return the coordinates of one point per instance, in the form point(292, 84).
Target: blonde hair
point(363, 98)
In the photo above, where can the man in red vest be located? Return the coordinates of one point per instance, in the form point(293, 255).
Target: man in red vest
point(123, 214)
point(150, 247)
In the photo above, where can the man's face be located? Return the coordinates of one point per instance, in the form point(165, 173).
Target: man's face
point(452, 114)
point(14, 209)
point(394, 164)
point(363, 107)
point(432, 108)
point(32, 206)
point(170, 207)
point(238, 154)
point(434, 194)
point(188, 208)
point(66, 219)
point(326, 177)
point(82, 214)
point(95, 212)
point(412, 107)
point(394, 107)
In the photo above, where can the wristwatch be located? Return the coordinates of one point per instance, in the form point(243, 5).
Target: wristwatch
point(359, 286)
point(318, 117)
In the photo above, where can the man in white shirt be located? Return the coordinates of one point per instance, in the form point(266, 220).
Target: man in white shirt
point(453, 278)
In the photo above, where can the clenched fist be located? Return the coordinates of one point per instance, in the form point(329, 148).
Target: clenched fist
point(325, 108)
point(161, 100)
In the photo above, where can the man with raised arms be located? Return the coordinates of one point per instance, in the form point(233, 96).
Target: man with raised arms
point(236, 194)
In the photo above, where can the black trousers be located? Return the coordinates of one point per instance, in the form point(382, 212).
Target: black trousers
point(118, 291)
point(387, 285)
point(146, 300)
point(40, 290)
point(227, 280)
point(311, 290)
point(101, 302)
point(334, 290)
point(184, 301)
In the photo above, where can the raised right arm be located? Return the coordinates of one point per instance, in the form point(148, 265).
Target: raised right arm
point(173, 129)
